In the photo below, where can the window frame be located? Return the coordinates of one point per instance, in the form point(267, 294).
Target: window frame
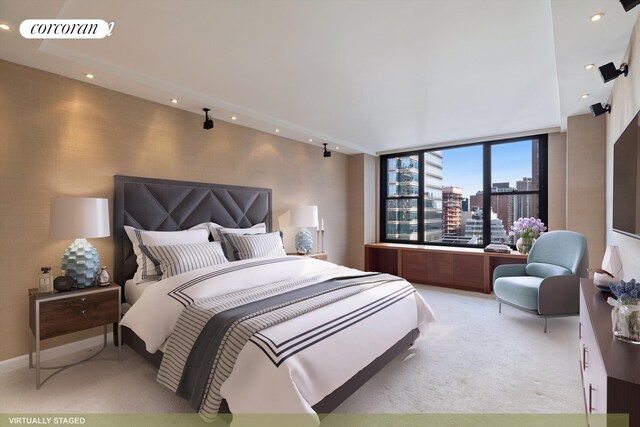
point(541, 192)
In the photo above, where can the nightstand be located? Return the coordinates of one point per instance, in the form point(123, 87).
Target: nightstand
point(61, 313)
point(319, 255)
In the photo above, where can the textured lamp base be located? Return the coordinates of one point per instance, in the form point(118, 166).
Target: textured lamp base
point(81, 262)
point(304, 241)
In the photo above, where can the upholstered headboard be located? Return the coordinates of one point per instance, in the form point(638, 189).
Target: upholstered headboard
point(165, 205)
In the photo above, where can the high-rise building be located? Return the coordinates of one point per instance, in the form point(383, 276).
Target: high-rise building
point(451, 208)
point(502, 204)
point(523, 204)
point(433, 196)
point(465, 204)
point(473, 229)
point(402, 214)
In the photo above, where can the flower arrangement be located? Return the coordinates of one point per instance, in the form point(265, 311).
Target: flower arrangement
point(625, 315)
point(626, 292)
point(527, 228)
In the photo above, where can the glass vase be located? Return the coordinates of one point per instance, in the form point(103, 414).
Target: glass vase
point(626, 322)
point(524, 244)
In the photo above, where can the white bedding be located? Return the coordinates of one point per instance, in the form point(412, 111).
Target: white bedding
point(295, 380)
point(133, 289)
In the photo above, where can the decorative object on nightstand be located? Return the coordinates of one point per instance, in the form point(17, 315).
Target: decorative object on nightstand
point(45, 281)
point(303, 217)
point(63, 283)
point(103, 278)
point(611, 270)
point(80, 218)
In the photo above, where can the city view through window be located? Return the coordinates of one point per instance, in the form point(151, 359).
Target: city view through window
point(451, 191)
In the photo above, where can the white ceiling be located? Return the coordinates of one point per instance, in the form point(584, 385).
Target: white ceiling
point(366, 75)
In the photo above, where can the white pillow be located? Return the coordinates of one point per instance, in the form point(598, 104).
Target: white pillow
point(146, 268)
point(217, 234)
point(175, 259)
point(246, 246)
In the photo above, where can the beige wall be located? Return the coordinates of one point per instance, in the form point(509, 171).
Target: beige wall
point(59, 136)
point(362, 206)
point(585, 181)
point(557, 178)
point(625, 103)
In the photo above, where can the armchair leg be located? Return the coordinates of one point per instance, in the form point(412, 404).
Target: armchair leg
point(545, 325)
point(499, 307)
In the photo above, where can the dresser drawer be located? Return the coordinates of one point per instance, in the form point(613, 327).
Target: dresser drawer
point(71, 314)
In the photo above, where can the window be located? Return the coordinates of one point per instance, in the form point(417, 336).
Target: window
point(441, 196)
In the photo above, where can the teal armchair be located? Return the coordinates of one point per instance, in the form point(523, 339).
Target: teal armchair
point(548, 285)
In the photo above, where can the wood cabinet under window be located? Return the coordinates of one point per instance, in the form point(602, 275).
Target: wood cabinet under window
point(461, 268)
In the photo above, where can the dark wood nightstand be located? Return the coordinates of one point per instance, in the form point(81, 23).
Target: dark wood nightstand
point(319, 255)
point(60, 313)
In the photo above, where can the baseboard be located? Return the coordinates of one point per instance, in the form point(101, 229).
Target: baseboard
point(55, 352)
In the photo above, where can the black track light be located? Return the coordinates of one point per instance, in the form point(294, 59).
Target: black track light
point(610, 72)
point(598, 109)
point(327, 152)
point(208, 121)
point(629, 4)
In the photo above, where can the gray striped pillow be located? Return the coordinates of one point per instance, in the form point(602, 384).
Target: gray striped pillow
point(246, 246)
point(170, 260)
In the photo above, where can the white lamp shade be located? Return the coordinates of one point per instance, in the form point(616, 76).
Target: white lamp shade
point(78, 218)
point(612, 262)
point(304, 216)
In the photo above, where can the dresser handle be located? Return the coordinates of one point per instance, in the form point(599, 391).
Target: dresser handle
point(591, 390)
point(82, 299)
point(579, 330)
point(83, 311)
point(584, 357)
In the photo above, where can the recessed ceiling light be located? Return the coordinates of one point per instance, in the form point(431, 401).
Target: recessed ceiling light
point(89, 75)
point(173, 100)
point(585, 96)
point(5, 27)
point(596, 17)
point(310, 140)
point(589, 66)
point(234, 118)
point(337, 148)
point(277, 130)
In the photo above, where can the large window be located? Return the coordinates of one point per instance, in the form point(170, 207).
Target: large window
point(441, 196)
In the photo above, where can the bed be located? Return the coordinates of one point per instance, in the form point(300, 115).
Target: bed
point(335, 328)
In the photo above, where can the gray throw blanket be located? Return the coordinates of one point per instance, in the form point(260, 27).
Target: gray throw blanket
point(210, 333)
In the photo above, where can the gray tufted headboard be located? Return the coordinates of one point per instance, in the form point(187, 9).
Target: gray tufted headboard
point(165, 205)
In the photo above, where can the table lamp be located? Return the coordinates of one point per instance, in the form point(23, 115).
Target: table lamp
point(79, 218)
point(303, 217)
point(611, 263)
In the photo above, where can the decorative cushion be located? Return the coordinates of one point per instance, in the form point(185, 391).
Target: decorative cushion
point(217, 234)
point(246, 246)
point(519, 290)
point(541, 269)
point(175, 259)
point(146, 269)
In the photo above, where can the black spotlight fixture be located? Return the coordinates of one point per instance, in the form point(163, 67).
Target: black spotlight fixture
point(327, 152)
point(610, 72)
point(629, 4)
point(598, 109)
point(208, 121)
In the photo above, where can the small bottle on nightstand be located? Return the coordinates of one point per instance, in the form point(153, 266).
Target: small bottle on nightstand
point(45, 281)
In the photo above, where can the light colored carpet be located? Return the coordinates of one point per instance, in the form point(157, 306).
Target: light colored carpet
point(473, 360)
